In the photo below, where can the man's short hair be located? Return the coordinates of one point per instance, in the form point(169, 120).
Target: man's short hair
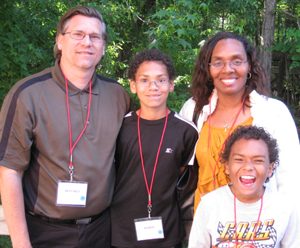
point(64, 22)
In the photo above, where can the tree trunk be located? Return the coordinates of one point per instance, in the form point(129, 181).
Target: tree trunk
point(267, 38)
point(257, 30)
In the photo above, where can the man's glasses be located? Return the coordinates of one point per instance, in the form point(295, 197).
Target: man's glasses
point(147, 83)
point(79, 35)
point(219, 64)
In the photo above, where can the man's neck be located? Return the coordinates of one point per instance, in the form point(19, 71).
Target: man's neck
point(78, 78)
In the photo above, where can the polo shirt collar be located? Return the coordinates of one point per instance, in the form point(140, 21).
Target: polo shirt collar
point(73, 90)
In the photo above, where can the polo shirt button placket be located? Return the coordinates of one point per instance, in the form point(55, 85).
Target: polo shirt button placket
point(85, 107)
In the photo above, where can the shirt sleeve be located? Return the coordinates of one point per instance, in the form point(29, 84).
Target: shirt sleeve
point(16, 125)
point(200, 236)
point(190, 139)
point(291, 238)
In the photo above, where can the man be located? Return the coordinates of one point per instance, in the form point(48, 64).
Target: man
point(58, 131)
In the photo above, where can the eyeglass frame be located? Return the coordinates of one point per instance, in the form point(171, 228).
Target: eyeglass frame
point(102, 40)
point(230, 64)
point(155, 82)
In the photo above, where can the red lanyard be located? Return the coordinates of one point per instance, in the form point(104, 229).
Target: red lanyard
point(71, 168)
point(261, 206)
point(209, 121)
point(149, 190)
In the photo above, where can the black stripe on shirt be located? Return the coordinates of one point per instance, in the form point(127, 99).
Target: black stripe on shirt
point(12, 109)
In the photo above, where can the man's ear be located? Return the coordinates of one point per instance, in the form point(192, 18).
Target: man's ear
point(133, 86)
point(103, 49)
point(59, 41)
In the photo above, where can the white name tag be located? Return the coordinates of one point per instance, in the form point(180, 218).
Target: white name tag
point(71, 194)
point(149, 228)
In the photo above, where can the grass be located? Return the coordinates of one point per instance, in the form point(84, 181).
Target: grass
point(5, 242)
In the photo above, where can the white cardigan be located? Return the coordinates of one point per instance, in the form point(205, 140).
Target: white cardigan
point(273, 116)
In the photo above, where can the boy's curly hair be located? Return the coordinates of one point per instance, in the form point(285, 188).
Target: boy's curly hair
point(252, 132)
point(151, 55)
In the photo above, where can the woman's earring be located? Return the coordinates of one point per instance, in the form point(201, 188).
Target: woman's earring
point(249, 75)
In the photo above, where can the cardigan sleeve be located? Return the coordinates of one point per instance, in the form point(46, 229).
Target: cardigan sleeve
point(275, 117)
point(200, 236)
point(188, 109)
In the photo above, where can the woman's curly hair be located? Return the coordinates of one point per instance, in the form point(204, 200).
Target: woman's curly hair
point(202, 83)
point(151, 55)
point(252, 132)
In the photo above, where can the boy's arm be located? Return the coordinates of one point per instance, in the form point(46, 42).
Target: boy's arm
point(13, 206)
point(199, 236)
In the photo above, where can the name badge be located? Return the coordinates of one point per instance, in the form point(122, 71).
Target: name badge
point(149, 228)
point(71, 194)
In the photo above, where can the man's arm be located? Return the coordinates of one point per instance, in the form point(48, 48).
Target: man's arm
point(13, 206)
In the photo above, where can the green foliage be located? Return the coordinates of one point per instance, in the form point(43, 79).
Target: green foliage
point(180, 94)
point(179, 26)
point(176, 27)
point(26, 40)
point(290, 44)
point(174, 32)
point(28, 29)
point(5, 242)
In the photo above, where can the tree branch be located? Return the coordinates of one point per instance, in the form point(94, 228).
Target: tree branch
point(291, 15)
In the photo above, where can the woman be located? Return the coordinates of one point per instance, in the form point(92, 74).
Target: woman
point(226, 77)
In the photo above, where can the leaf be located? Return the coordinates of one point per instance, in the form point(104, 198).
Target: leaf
point(184, 43)
point(192, 18)
point(162, 13)
point(180, 32)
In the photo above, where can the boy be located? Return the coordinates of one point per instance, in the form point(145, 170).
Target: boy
point(154, 145)
point(245, 213)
